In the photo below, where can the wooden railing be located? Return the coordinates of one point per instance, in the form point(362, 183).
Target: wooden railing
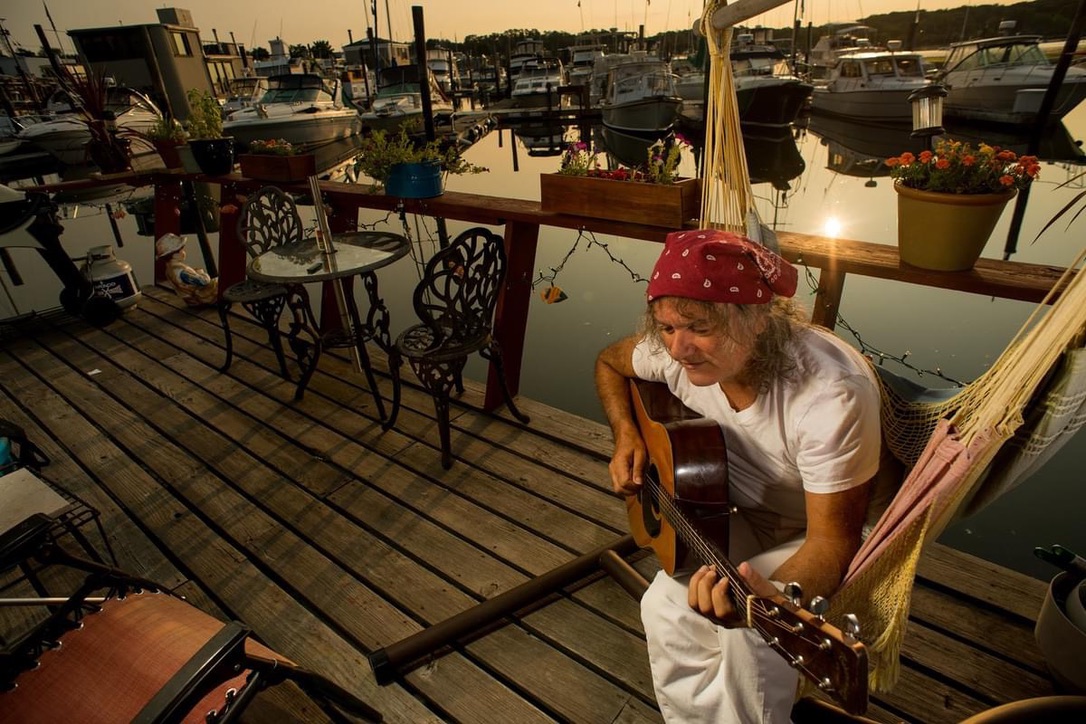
point(835, 258)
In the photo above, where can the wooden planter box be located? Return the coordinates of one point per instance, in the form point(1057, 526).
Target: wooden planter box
point(670, 205)
point(278, 169)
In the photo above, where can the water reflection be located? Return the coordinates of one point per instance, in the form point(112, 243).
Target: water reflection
point(860, 149)
point(542, 139)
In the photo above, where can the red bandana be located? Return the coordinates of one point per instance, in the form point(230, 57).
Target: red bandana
point(716, 266)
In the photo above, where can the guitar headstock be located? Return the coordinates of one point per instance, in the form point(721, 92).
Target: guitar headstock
point(834, 660)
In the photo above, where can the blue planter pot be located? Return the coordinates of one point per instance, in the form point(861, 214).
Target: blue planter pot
point(414, 181)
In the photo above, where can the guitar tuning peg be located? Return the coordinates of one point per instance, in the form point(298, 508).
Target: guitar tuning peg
point(852, 626)
point(818, 606)
point(794, 593)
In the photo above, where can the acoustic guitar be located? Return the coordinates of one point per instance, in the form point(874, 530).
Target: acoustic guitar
point(682, 512)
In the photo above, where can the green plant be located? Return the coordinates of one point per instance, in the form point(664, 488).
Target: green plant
point(107, 148)
point(956, 167)
point(205, 115)
point(1076, 206)
point(273, 147)
point(167, 129)
point(380, 151)
point(661, 163)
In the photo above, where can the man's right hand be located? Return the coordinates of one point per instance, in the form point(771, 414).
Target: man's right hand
point(628, 463)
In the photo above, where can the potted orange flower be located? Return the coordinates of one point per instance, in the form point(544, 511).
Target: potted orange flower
point(950, 199)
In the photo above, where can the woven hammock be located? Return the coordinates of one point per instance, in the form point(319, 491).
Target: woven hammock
point(946, 441)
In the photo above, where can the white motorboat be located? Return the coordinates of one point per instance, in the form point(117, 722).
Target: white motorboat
point(641, 97)
point(581, 60)
point(304, 109)
point(525, 50)
point(1004, 79)
point(244, 92)
point(872, 85)
point(842, 38)
point(446, 69)
point(399, 99)
point(537, 83)
point(65, 137)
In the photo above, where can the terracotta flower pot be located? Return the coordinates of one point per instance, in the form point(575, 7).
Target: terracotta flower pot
point(167, 150)
point(945, 232)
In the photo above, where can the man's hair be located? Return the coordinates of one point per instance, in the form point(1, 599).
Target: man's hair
point(770, 358)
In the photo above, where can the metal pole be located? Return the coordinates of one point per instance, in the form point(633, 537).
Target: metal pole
point(1041, 124)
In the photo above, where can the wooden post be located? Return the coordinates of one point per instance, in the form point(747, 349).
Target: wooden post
point(232, 255)
point(168, 195)
point(511, 316)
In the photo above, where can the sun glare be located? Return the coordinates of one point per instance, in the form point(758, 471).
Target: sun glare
point(832, 227)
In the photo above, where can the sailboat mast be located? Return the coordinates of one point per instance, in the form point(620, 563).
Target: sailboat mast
point(388, 17)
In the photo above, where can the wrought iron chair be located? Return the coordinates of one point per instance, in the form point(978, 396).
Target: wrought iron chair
point(455, 302)
point(268, 218)
point(122, 648)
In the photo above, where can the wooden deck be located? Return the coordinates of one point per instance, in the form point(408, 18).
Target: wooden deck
point(332, 539)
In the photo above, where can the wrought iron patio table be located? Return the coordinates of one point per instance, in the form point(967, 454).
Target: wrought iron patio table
point(354, 254)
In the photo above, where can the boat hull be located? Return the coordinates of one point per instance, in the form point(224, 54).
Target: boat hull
point(871, 105)
point(771, 101)
point(1013, 98)
point(643, 115)
point(300, 129)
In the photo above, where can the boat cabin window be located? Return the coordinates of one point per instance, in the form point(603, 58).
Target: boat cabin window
point(910, 67)
point(880, 67)
point(181, 45)
point(851, 69)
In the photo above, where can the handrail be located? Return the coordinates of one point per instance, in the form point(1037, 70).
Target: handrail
point(835, 258)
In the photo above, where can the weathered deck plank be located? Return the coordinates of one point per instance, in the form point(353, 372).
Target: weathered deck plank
point(333, 539)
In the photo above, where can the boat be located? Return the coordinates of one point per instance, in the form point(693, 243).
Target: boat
point(842, 38)
point(767, 92)
point(304, 109)
point(873, 85)
point(1003, 80)
point(244, 92)
point(524, 51)
point(537, 84)
point(399, 99)
point(641, 97)
point(582, 58)
point(65, 137)
point(442, 63)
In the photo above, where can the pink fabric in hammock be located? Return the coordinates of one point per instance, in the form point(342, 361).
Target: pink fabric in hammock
point(941, 469)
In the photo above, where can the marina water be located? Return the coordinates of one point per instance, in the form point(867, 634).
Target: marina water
point(956, 333)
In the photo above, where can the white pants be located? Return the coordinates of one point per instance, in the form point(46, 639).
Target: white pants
point(707, 673)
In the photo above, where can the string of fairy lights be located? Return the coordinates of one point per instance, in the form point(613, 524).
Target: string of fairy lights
point(878, 356)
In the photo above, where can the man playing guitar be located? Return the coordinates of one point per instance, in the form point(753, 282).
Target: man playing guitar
point(799, 412)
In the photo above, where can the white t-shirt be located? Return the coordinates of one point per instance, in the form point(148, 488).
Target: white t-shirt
point(818, 431)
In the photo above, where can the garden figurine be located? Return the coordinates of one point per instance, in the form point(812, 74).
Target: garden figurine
point(194, 286)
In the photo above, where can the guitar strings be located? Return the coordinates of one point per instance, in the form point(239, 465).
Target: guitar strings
point(739, 589)
point(737, 585)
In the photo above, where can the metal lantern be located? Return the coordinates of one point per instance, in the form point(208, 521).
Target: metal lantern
point(927, 103)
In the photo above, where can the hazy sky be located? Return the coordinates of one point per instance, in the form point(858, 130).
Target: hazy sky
point(254, 22)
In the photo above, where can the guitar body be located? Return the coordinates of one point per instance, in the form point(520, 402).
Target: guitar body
point(687, 455)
